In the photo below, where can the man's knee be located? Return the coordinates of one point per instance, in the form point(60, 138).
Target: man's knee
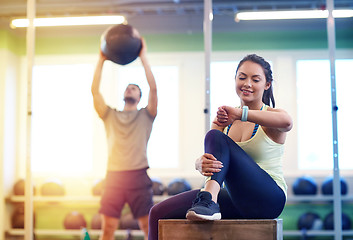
point(109, 224)
point(143, 223)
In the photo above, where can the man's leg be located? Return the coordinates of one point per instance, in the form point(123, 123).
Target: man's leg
point(143, 223)
point(109, 225)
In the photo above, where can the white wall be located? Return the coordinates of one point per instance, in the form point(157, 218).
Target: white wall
point(8, 128)
point(191, 119)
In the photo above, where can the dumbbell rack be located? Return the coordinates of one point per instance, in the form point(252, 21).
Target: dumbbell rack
point(314, 199)
point(69, 199)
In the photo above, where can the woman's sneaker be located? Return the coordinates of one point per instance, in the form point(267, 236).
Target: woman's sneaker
point(203, 208)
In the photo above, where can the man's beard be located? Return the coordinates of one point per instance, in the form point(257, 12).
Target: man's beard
point(130, 100)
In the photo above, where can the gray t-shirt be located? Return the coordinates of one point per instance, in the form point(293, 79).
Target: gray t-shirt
point(127, 133)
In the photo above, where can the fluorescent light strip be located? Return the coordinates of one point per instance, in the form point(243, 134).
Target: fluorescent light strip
point(69, 21)
point(295, 14)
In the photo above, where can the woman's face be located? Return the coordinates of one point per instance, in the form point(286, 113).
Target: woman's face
point(250, 82)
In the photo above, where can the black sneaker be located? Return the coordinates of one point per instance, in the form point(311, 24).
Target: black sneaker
point(203, 208)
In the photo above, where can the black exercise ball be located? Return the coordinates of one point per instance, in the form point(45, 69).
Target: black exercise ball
point(98, 187)
point(74, 220)
point(327, 186)
point(304, 186)
point(52, 188)
point(121, 43)
point(177, 186)
point(127, 221)
point(157, 187)
point(96, 222)
point(19, 187)
point(329, 222)
point(309, 221)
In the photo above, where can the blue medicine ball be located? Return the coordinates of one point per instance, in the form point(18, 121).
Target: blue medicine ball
point(327, 186)
point(309, 221)
point(329, 222)
point(304, 186)
point(178, 185)
point(157, 186)
point(121, 44)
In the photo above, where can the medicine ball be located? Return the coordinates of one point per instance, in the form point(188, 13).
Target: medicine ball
point(19, 188)
point(52, 188)
point(98, 187)
point(327, 186)
point(96, 222)
point(127, 221)
point(309, 221)
point(18, 217)
point(178, 185)
point(74, 220)
point(157, 187)
point(304, 186)
point(329, 222)
point(121, 44)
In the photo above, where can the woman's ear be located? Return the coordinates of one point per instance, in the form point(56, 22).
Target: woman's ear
point(268, 85)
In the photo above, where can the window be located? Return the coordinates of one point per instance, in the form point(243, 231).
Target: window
point(222, 86)
point(62, 116)
point(62, 119)
point(315, 148)
point(163, 146)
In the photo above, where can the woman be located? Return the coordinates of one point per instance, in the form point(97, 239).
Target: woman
point(243, 152)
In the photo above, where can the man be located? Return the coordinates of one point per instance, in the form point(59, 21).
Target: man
point(128, 132)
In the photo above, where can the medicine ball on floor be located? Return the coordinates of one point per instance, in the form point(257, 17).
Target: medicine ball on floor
point(74, 220)
point(329, 222)
point(157, 187)
point(309, 221)
point(178, 185)
point(327, 186)
point(53, 187)
point(18, 217)
point(127, 221)
point(304, 186)
point(121, 44)
point(96, 222)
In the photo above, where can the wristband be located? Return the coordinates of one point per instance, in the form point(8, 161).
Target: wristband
point(244, 114)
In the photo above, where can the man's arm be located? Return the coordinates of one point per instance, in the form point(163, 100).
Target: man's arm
point(152, 97)
point(99, 103)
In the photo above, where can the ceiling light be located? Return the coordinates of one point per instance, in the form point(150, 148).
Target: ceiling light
point(69, 21)
point(295, 14)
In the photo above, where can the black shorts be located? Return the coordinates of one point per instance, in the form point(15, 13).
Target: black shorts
point(131, 187)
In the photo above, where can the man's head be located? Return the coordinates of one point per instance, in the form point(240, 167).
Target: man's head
point(132, 94)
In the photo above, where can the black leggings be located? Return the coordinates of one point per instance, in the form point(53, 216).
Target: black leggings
point(250, 192)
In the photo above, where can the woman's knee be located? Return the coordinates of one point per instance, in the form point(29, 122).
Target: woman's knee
point(154, 212)
point(213, 134)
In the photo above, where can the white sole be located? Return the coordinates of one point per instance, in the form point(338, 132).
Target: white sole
point(191, 215)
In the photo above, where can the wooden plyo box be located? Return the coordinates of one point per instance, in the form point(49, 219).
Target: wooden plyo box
point(267, 229)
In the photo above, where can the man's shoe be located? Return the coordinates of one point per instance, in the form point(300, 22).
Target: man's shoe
point(203, 208)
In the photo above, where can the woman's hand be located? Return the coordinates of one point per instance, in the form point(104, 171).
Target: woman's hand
point(227, 115)
point(207, 164)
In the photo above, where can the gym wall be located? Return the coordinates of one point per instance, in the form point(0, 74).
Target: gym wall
point(183, 50)
point(186, 51)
